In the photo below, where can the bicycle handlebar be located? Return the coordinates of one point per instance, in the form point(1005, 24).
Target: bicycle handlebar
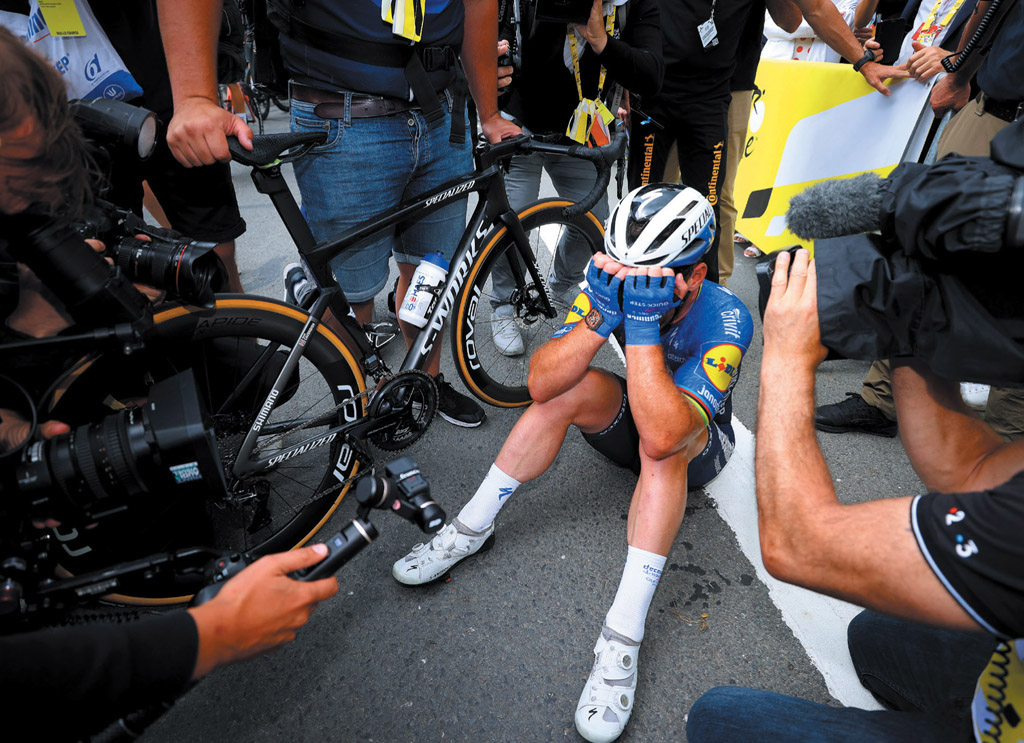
point(270, 149)
point(601, 157)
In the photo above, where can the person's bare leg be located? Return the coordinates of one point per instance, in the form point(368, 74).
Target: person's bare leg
point(226, 251)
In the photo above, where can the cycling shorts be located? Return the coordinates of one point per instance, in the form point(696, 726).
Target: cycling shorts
point(620, 442)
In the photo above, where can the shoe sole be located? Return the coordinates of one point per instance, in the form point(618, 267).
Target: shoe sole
point(486, 546)
point(854, 429)
point(457, 422)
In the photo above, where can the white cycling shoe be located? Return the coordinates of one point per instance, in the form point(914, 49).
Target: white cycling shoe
point(430, 561)
point(607, 698)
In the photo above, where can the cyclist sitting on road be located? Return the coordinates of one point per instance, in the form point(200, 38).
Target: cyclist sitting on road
point(669, 420)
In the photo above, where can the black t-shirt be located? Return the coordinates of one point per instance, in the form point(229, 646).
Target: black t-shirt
point(76, 680)
point(132, 29)
point(690, 69)
point(544, 95)
point(973, 542)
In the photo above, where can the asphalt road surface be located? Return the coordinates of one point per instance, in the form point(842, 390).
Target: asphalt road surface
point(500, 651)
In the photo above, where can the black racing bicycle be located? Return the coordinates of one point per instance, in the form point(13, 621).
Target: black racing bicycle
point(297, 410)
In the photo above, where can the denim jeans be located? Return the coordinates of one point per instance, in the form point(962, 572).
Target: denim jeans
point(573, 179)
point(368, 166)
point(926, 676)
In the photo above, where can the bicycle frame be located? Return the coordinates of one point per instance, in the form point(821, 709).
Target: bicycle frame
point(493, 208)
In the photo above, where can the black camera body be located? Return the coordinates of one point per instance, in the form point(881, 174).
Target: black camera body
point(939, 278)
point(186, 269)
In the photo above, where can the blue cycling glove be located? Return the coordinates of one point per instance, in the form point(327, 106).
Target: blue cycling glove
point(603, 290)
point(645, 299)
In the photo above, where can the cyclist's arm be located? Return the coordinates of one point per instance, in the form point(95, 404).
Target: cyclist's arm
point(479, 40)
point(197, 132)
point(560, 363)
point(666, 419)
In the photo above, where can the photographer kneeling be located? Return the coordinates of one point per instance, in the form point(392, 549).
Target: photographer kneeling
point(952, 558)
point(97, 672)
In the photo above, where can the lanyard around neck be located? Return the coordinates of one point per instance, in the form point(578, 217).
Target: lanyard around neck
point(609, 26)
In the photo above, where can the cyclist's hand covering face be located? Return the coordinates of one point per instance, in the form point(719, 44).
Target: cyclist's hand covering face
point(648, 294)
point(603, 290)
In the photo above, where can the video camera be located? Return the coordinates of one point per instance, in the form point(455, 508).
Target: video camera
point(941, 279)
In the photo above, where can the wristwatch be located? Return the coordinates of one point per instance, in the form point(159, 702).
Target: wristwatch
point(869, 56)
point(594, 319)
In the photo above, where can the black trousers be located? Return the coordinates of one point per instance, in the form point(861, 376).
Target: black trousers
point(699, 129)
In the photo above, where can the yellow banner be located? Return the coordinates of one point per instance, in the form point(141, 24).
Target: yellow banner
point(810, 121)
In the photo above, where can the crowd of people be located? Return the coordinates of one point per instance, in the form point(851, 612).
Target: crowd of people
point(391, 95)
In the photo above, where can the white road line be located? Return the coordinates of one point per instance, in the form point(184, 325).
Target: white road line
point(817, 621)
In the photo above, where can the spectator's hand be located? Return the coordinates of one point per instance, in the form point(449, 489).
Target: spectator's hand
point(949, 94)
point(197, 135)
point(647, 294)
point(497, 128)
point(925, 62)
point(259, 609)
point(504, 73)
point(863, 34)
point(876, 74)
point(874, 46)
point(594, 32)
point(791, 328)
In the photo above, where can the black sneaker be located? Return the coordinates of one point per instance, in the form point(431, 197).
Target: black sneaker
point(853, 414)
point(456, 408)
point(298, 289)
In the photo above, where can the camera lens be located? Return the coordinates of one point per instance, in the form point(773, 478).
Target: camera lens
point(167, 444)
point(190, 270)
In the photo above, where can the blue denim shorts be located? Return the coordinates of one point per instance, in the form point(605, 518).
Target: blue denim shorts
point(371, 165)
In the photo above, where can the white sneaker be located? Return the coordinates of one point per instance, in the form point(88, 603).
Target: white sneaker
point(506, 334)
point(607, 698)
point(974, 395)
point(427, 562)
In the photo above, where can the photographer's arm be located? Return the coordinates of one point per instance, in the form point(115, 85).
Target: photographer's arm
point(950, 447)
point(259, 609)
point(827, 23)
point(197, 132)
point(864, 553)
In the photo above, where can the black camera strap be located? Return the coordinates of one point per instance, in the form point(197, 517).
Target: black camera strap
point(415, 60)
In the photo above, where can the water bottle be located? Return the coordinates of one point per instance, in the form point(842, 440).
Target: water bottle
point(423, 290)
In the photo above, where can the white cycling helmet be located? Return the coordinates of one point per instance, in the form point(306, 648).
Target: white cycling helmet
point(661, 224)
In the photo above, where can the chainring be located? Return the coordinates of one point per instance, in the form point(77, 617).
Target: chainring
point(411, 393)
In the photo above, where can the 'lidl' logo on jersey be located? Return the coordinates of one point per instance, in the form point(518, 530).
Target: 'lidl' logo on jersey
point(580, 308)
point(721, 364)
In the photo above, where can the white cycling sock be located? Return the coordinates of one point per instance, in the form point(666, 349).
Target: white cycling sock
point(636, 589)
point(492, 494)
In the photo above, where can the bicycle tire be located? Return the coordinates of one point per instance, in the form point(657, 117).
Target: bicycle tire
point(284, 104)
point(494, 378)
point(203, 339)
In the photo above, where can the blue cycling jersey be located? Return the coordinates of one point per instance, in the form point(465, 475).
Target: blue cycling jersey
point(703, 351)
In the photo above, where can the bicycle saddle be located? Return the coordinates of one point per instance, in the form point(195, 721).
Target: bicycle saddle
point(268, 148)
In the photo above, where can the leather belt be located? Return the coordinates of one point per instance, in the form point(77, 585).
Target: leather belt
point(1005, 110)
point(331, 105)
